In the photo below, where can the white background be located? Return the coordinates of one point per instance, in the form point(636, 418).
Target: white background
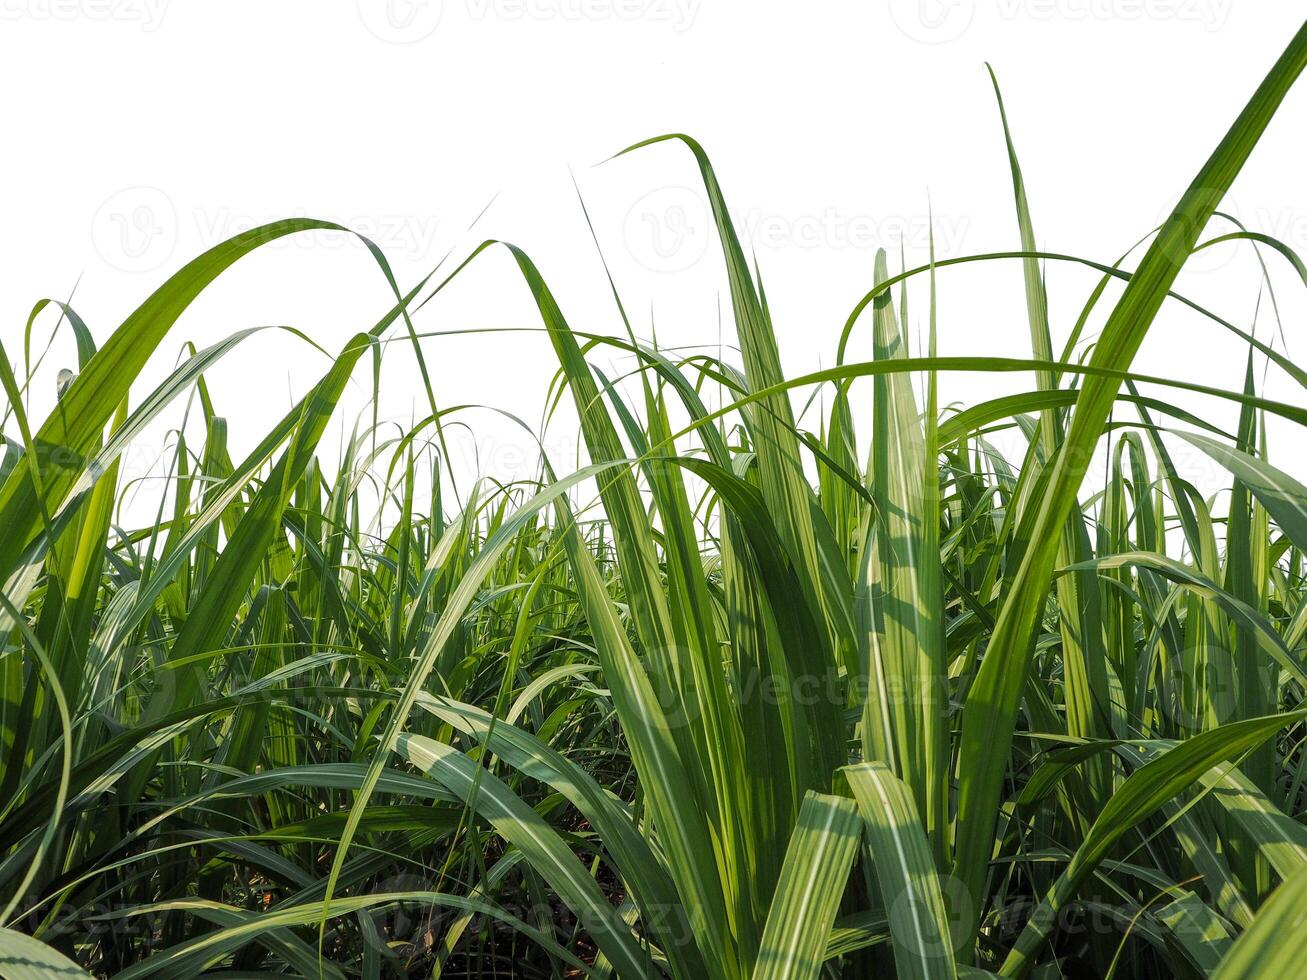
point(140, 132)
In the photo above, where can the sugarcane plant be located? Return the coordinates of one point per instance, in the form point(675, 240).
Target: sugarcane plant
point(731, 698)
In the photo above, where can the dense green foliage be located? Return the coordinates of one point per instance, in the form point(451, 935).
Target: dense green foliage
point(768, 709)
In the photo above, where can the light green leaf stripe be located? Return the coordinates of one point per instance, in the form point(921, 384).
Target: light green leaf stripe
point(905, 871)
point(816, 868)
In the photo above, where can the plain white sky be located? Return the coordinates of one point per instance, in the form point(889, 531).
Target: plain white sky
point(140, 132)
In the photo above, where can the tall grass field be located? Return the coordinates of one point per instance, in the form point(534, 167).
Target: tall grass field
point(819, 678)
